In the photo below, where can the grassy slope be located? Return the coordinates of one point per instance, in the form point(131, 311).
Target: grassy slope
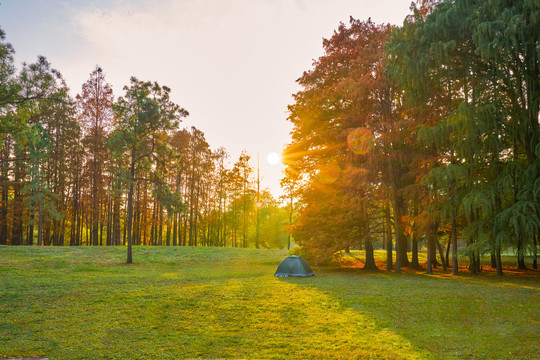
point(85, 303)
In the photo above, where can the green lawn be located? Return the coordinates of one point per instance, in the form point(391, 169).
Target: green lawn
point(175, 303)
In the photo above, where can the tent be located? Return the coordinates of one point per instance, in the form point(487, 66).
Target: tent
point(294, 265)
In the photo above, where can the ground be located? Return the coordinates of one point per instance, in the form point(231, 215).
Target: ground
point(179, 302)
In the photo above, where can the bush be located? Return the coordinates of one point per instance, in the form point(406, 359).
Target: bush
point(296, 250)
point(312, 255)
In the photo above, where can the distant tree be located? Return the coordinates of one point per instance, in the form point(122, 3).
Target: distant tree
point(180, 144)
point(273, 219)
point(221, 156)
point(290, 184)
point(41, 107)
point(96, 117)
point(8, 94)
point(199, 158)
point(245, 171)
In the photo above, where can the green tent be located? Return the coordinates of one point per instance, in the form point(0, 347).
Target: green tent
point(294, 265)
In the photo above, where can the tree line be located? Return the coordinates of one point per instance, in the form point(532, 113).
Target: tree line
point(422, 135)
point(95, 170)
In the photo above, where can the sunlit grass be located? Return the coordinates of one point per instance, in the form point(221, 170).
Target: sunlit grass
point(174, 303)
point(355, 260)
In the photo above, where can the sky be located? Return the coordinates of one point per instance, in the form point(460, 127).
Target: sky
point(232, 64)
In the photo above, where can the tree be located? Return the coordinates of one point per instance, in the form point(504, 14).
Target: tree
point(290, 185)
point(95, 104)
point(142, 113)
point(245, 171)
point(40, 104)
point(8, 94)
point(346, 137)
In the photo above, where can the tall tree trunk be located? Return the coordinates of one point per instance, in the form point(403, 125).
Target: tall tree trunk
point(448, 246)
point(79, 235)
point(56, 232)
point(397, 230)
point(160, 235)
point(143, 225)
point(40, 224)
point(429, 264)
point(414, 259)
point(4, 214)
point(473, 267)
point(4, 157)
point(432, 233)
point(18, 206)
point(191, 209)
point(370, 258)
point(498, 261)
point(389, 265)
point(521, 254)
point(140, 235)
point(196, 217)
point(153, 231)
point(244, 225)
point(414, 250)
point(168, 239)
point(478, 262)
point(62, 231)
point(174, 230)
point(116, 221)
point(130, 208)
point(124, 234)
point(224, 236)
point(441, 254)
point(16, 227)
point(109, 240)
point(101, 223)
point(403, 237)
point(30, 226)
point(453, 236)
point(74, 217)
point(180, 229)
point(535, 252)
point(95, 210)
point(88, 228)
point(184, 232)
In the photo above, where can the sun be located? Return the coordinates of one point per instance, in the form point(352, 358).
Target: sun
point(273, 158)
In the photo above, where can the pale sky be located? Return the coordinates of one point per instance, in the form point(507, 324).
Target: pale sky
point(231, 63)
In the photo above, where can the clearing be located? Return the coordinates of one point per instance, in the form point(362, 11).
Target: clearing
point(180, 302)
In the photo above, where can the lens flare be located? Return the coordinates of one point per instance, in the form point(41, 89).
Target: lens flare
point(360, 141)
point(329, 173)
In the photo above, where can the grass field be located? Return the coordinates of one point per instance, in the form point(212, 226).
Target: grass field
point(176, 303)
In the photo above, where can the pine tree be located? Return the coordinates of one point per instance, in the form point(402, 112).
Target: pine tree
point(95, 104)
point(143, 113)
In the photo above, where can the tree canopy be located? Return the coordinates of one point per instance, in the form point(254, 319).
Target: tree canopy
point(405, 136)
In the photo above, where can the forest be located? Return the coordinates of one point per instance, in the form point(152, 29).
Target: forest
point(95, 170)
point(422, 137)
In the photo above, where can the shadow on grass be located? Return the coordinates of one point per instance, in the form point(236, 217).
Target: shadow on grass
point(449, 317)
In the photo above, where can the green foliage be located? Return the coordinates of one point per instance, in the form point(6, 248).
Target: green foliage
point(9, 87)
point(295, 250)
point(37, 190)
point(475, 65)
